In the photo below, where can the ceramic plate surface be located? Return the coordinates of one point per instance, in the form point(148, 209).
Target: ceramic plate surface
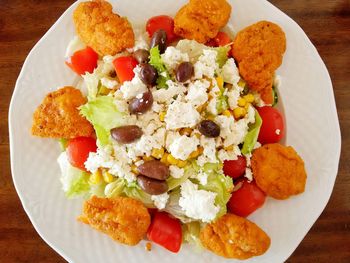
point(312, 129)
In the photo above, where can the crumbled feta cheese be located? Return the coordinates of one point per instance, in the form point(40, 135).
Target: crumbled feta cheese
point(172, 57)
point(198, 204)
point(212, 106)
point(109, 83)
point(176, 172)
point(146, 144)
point(160, 201)
point(131, 89)
point(141, 40)
point(156, 107)
point(209, 151)
point(229, 72)
point(202, 177)
point(250, 116)
point(232, 132)
point(206, 64)
point(258, 100)
point(248, 174)
point(233, 96)
point(183, 146)
point(139, 162)
point(197, 92)
point(100, 158)
point(180, 115)
point(224, 155)
point(167, 95)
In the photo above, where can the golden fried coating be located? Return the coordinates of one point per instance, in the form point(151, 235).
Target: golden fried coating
point(201, 20)
point(105, 32)
point(278, 170)
point(58, 115)
point(124, 219)
point(232, 236)
point(259, 50)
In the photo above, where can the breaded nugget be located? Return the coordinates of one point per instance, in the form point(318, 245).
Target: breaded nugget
point(259, 50)
point(278, 170)
point(124, 219)
point(201, 20)
point(58, 115)
point(232, 236)
point(105, 32)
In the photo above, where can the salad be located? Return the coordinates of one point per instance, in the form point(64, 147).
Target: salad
point(172, 133)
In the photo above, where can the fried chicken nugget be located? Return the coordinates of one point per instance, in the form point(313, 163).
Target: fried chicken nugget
point(278, 170)
point(105, 32)
point(201, 20)
point(259, 50)
point(124, 219)
point(232, 236)
point(58, 115)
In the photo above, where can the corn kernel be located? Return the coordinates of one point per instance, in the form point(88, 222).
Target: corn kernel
point(239, 112)
point(157, 153)
point(172, 160)
point(211, 117)
point(96, 177)
point(249, 98)
point(194, 154)
point(164, 159)
point(134, 169)
point(202, 107)
point(200, 149)
point(247, 106)
point(220, 82)
point(162, 115)
point(107, 177)
point(186, 131)
point(198, 135)
point(104, 90)
point(227, 113)
point(241, 102)
point(229, 148)
point(241, 83)
point(181, 164)
point(147, 158)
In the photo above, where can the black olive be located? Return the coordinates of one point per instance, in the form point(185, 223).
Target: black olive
point(141, 105)
point(148, 74)
point(141, 55)
point(184, 71)
point(159, 39)
point(209, 128)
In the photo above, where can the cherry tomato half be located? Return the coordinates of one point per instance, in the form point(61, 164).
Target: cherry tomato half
point(235, 168)
point(165, 231)
point(221, 39)
point(124, 67)
point(82, 61)
point(161, 22)
point(248, 198)
point(272, 128)
point(78, 150)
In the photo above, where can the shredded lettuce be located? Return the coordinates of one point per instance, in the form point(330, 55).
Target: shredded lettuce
point(103, 115)
point(275, 96)
point(252, 135)
point(218, 183)
point(222, 55)
point(91, 81)
point(221, 101)
point(63, 144)
point(191, 234)
point(174, 208)
point(157, 63)
point(74, 181)
point(175, 182)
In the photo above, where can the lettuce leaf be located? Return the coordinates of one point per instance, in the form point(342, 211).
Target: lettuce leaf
point(218, 183)
point(175, 182)
point(63, 144)
point(191, 234)
point(74, 181)
point(252, 136)
point(103, 115)
point(222, 55)
point(157, 63)
point(174, 208)
point(275, 96)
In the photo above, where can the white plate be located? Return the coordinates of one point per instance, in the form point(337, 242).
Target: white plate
point(311, 117)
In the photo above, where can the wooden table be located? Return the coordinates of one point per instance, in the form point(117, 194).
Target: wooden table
point(327, 23)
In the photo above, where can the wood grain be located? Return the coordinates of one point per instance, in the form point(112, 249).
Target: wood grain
point(327, 23)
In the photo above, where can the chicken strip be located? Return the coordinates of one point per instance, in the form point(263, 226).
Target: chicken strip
point(201, 20)
point(278, 170)
point(124, 219)
point(58, 115)
point(105, 32)
point(259, 50)
point(232, 236)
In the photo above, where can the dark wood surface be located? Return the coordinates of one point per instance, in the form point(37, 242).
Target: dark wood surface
point(327, 23)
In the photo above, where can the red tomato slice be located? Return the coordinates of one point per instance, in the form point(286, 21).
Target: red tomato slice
point(246, 199)
point(78, 150)
point(161, 22)
point(83, 61)
point(165, 231)
point(235, 168)
point(221, 39)
point(124, 67)
point(272, 128)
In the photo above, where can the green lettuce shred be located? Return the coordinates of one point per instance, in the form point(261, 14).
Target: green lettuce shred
point(275, 96)
point(222, 55)
point(157, 63)
point(252, 136)
point(191, 233)
point(103, 115)
point(172, 182)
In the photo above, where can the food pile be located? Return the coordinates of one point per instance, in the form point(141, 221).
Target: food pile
point(171, 132)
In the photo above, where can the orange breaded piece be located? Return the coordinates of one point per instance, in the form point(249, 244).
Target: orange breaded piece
point(124, 219)
point(105, 32)
point(232, 236)
point(201, 20)
point(259, 50)
point(58, 115)
point(278, 170)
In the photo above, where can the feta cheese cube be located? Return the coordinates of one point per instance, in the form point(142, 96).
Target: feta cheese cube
point(209, 151)
point(108, 83)
point(197, 92)
point(172, 57)
point(229, 72)
point(131, 89)
point(206, 64)
point(180, 115)
point(176, 172)
point(167, 95)
point(183, 146)
point(160, 201)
